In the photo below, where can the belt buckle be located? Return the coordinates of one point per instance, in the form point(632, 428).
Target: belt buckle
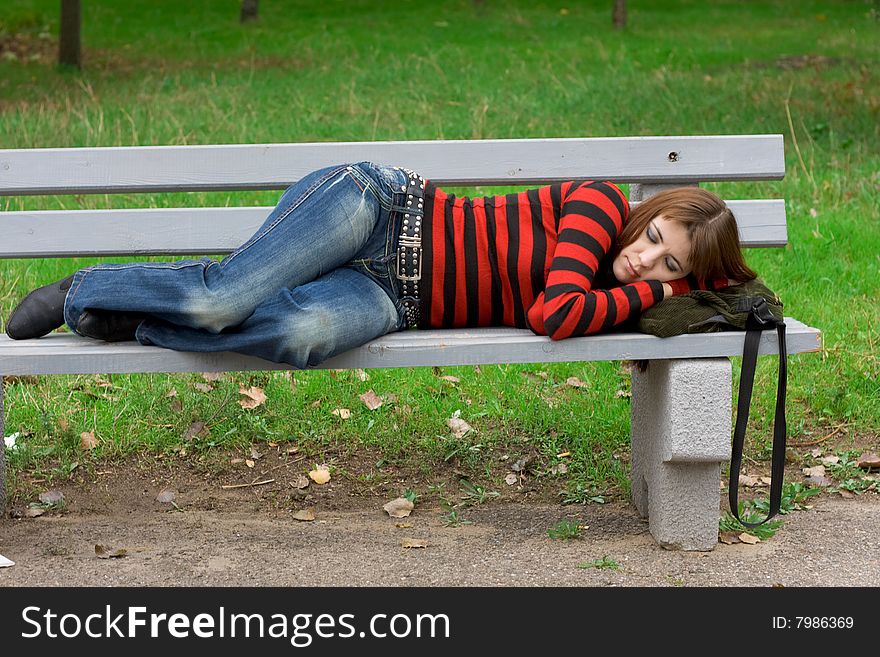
point(409, 242)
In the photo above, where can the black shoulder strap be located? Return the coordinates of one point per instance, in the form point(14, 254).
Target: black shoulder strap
point(760, 319)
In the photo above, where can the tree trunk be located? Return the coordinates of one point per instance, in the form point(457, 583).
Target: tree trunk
point(249, 10)
point(619, 16)
point(69, 52)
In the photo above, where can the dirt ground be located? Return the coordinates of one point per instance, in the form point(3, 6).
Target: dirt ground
point(248, 536)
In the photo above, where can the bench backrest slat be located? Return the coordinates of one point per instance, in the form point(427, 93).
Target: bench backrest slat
point(475, 162)
point(190, 231)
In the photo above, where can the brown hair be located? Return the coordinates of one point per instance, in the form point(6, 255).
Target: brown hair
point(711, 227)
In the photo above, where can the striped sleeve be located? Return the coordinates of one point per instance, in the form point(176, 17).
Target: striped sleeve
point(592, 216)
point(690, 283)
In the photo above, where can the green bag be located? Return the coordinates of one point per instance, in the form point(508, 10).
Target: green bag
point(707, 311)
point(751, 307)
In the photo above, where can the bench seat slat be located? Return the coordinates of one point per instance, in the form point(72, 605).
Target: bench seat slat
point(465, 162)
point(61, 353)
point(190, 231)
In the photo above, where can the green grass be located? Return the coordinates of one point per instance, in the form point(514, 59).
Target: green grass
point(188, 73)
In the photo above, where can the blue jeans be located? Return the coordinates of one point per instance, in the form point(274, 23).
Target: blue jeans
point(316, 279)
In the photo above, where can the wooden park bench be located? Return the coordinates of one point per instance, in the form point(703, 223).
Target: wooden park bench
point(681, 406)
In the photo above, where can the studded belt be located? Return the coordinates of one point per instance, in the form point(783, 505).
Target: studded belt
point(409, 248)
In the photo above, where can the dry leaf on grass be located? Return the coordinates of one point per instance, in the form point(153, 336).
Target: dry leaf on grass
point(301, 482)
point(830, 460)
point(255, 455)
point(305, 515)
point(51, 497)
point(361, 375)
point(451, 379)
point(203, 387)
point(176, 405)
point(819, 481)
point(511, 479)
point(749, 480)
point(459, 427)
point(342, 413)
point(320, 475)
point(815, 471)
point(749, 539)
point(816, 452)
point(521, 464)
point(104, 552)
point(171, 393)
point(87, 440)
point(255, 397)
point(212, 376)
point(249, 463)
point(34, 512)
point(575, 382)
point(63, 424)
point(166, 495)
point(371, 400)
point(399, 508)
point(869, 460)
point(413, 543)
point(559, 468)
point(196, 429)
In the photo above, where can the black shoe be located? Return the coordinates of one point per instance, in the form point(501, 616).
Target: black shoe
point(40, 312)
point(108, 325)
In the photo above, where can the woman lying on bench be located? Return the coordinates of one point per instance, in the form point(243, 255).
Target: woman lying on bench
point(355, 251)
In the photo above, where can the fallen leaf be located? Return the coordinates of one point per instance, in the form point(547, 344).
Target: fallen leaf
point(520, 464)
point(845, 494)
point(292, 450)
point(819, 481)
point(51, 497)
point(833, 459)
point(34, 512)
point(399, 508)
point(403, 525)
point(320, 475)
point(361, 374)
point(371, 400)
point(511, 479)
point(166, 495)
point(255, 455)
point(196, 429)
point(104, 552)
point(176, 406)
point(748, 480)
point(559, 468)
point(623, 393)
point(255, 397)
point(413, 543)
point(301, 482)
point(212, 376)
point(575, 382)
point(63, 424)
point(451, 379)
point(816, 452)
point(342, 413)
point(306, 515)
point(249, 463)
point(749, 539)
point(203, 387)
point(87, 440)
point(728, 538)
point(459, 427)
point(171, 393)
point(815, 471)
point(869, 460)
point(766, 481)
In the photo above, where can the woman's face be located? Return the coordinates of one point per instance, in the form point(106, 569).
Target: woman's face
point(660, 253)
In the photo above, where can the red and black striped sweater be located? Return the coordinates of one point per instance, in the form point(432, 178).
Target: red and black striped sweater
point(530, 260)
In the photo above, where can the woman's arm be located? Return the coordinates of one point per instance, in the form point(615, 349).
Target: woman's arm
point(591, 218)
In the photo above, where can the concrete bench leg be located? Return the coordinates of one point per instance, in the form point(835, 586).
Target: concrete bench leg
point(680, 436)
